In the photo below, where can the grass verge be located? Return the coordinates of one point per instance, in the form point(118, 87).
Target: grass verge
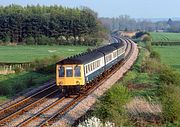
point(14, 83)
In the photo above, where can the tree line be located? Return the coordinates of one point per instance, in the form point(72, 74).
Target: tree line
point(48, 24)
point(126, 23)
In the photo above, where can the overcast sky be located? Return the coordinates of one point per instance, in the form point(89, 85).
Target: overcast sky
point(114, 8)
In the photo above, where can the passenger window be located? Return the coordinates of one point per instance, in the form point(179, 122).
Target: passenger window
point(86, 69)
point(91, 66)
point(61, 72)
point(77, 71)
point(69, 72)
point(89, 69)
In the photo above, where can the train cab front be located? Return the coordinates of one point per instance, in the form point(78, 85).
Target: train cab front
point(70, 78)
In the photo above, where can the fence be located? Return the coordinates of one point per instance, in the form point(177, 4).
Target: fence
point(6, 68)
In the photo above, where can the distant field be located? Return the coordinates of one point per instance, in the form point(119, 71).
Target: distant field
point(170, 55)
point(21, 53)
point(166, 37)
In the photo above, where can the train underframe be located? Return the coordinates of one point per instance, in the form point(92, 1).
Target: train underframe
point(70, 90)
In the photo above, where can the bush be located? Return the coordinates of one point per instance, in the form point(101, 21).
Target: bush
point(140, 34)
point(130, 76)
point(155, 55)
point(148, 46)
point(7, 39)
point(30, 41)
point(43, 40)
point(146, 38)
point(151, 66)
point(143, 55)
point(95, 122)
point(4, 89)
point(168, 76)
point(111, 105)
point(46, 65)
point(18, 87)
point(1, 42)
point(18, 69)
point(29, 81)
point(170, 100)
point(49, 69)
point(142, 78)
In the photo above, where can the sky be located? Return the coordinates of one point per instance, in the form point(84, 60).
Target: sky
point(114, 8)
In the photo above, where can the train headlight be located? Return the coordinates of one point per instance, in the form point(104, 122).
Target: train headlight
point(77, 83)
point(60, 83)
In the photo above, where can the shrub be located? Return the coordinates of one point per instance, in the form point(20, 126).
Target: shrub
point(18, 87)
point(130, 76)
point(170, 100)
point(95, 122)
point(142, 78)
point(4, 89)
point(29, 81)
point(18, 69)
point(111, 105)
point(168, 76)
point(148, 46)
point(1, 42)
point(46, 65)
point(48, 69)
point(43, 40)
point(140, 34)
point(30, 41)
point(146, 38)
point(155, 55)
point(61, 40)
point(7, 39)
point(151, 66)
point(143, 55)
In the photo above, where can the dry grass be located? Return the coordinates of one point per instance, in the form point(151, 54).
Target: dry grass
point(143, 112)
point(138, 86)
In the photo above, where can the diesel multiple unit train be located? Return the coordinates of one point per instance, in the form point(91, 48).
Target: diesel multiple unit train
point(76, 71)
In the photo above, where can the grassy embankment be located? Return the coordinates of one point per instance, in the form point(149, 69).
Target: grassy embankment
point(13, 83)
point(148, 95)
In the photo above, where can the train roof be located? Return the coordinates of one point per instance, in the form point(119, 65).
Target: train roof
point(82, 58)
point(87, 57)
point(117, 45)
point(106, 49)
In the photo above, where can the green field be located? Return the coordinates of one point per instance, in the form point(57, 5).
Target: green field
point(166, 37)
point(21, 53)
point(170, 55)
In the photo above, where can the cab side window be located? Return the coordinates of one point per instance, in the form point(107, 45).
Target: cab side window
point(69, 72)
point(61, 72)
point(77, 71)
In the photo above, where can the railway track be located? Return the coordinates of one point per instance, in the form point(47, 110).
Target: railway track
point(92, 87)
point(53, 111)
point(25, 104)
point(87, 91)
